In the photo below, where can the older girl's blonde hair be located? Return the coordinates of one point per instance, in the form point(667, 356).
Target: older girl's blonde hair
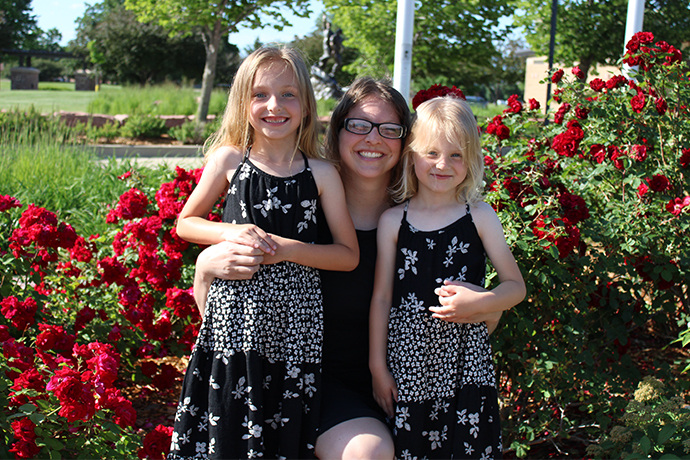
point(235, 128)
point(452, 118)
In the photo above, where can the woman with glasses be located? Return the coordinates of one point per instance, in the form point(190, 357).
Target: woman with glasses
point(365, 139)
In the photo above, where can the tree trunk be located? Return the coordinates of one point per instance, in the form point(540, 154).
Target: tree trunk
point(211, 43)
point(585, 65)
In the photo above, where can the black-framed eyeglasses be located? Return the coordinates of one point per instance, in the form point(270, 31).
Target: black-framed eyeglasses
point(364, 127)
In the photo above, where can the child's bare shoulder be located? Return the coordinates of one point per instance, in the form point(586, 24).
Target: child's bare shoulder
point(392, 216)
point(225, 157)
point(322, 167)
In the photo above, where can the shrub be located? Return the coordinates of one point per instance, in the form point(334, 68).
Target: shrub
point(143, 126)
point(596, 209)
point(656, 424)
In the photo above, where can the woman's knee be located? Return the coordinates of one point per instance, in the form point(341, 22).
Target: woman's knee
point(361, 438)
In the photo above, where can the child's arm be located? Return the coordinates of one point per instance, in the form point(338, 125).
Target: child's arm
point(466, 303)
point(193, 225)
point(343, 254)
point(385, 390)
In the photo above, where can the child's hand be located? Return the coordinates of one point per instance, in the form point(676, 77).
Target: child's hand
point(280, 253)
point(461, 302)
point(385, 391)
point(252, 236)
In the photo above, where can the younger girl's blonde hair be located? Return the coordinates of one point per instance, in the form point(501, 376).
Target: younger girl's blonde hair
point(235, 128)
point(452, 118)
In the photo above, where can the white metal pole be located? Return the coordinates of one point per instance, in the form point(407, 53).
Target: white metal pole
point(403, 47)
point(633, 25)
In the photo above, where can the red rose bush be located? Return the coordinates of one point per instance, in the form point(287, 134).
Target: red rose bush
point(596, 206)
point(82, 316)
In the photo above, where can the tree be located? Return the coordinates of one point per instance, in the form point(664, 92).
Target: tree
point(451, 39)
point(127, 50)
point(213, 20)
point(592, 31)
point(16, 23)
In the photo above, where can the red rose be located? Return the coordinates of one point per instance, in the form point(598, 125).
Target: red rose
point(166, 377)
point(534, 104)
point(616, 82)
point(598, 153)
point(132, 205)
point(21, 314)
point(156, 443)
point(181, 302)
point(76, 399)
point(568, 242)
point(638, 102)
point(676, 205)
point(639, 152)
point(560, 114)
point(24, 433)
point(514, 105)
point(574, 208)
point(685, 158)
point(435, 91)
point(54, 338)
point(581, 112)
point(661, 106)
point(659, 183)
point(615, 155)
point(578, 72)
point(557, 75)
point(642, 190)
point(8, 202)
point(597, 84)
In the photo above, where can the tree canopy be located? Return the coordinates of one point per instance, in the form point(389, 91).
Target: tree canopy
point(16, 23)
point(213, 20)
point(592, 31)
point(452, 40)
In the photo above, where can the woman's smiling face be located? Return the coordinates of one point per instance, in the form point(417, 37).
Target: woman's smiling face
point(370, 155)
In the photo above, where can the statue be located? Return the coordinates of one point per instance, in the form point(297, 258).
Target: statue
point(323, 77)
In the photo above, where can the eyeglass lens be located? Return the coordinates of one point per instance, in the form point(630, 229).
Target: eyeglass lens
point(387, 130)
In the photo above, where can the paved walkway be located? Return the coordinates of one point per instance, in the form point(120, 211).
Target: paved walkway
point(186, 156)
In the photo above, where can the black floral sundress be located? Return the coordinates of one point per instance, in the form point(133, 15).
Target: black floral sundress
point(448, 404)
point(252, 384)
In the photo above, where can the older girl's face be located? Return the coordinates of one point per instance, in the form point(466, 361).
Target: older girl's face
point(370, 155)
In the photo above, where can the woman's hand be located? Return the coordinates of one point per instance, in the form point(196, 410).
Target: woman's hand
point(226, 260)
point(385, 391)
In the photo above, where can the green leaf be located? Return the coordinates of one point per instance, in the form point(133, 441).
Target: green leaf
point(645, 444)
point(665, 434)
point(54, 444)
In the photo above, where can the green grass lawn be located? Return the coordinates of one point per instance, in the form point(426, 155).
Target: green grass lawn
point(50, 97)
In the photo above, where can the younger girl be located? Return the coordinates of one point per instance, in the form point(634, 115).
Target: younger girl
point(253, 380)
point(434, 375)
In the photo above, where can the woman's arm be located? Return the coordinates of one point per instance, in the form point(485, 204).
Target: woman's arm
point(467, 303)
point(385, 389)
point(193, 225)
point(226, 260)
point(343, 254)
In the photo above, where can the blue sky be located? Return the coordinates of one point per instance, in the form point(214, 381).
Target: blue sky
point(62, 15)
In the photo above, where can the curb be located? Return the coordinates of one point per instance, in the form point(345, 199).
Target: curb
point(145, 151)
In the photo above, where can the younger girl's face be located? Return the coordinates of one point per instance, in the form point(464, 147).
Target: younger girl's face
point(440, 167)
point(275, 111)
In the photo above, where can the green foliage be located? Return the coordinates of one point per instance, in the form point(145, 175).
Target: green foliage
point(17, 23)
point(451, 39)
point(143, 126)
point(213, 21)
point(194, 133)
point(165, 99)
point(656, 424)
point(40, 164)
point(590, 33)
point(601, 239)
